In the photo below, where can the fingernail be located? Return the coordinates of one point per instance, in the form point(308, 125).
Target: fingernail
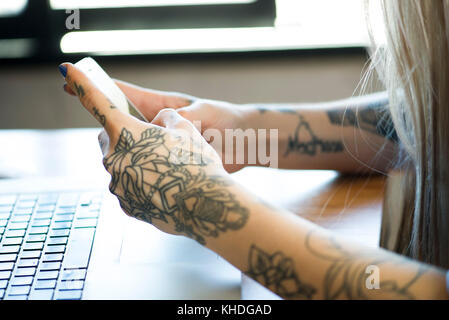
point(63, 70)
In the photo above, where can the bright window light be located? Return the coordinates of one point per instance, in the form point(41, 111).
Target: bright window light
point(200, 40)
point(300, 24)
point(16, 48)
point(12, 7)
point(83, 4)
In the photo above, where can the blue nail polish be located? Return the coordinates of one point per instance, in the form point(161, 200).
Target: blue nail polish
point(63, 70)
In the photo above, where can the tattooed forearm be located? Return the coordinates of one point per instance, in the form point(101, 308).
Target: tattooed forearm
point(100, 117)
point(277, 273)
point(347, 274)
point(373, 118)
point(304, 141)
point(152, 186)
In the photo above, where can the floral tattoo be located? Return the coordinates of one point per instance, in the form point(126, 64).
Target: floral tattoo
point(150, 185)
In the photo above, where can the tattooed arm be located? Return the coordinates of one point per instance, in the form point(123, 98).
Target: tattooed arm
point(298, 260)
point(349, 135)
point(165, 173)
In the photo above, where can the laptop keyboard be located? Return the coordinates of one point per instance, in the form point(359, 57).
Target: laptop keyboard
point(45, 244)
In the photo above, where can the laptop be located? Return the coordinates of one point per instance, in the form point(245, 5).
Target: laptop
point(68, 239)
point(63, 239)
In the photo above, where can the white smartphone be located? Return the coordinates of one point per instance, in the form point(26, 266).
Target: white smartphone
point(107, 86)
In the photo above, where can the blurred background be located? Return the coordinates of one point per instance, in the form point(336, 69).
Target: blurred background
point(243, 51)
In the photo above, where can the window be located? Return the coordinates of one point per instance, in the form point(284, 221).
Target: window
point(37, 28)
point(12, 8)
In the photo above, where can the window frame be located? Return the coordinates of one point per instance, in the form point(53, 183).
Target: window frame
point(45, 26)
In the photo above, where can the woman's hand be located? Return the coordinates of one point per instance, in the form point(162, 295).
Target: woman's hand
point(163, 172)
point(205, 114)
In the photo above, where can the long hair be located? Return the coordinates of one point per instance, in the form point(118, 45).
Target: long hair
point(413, 64)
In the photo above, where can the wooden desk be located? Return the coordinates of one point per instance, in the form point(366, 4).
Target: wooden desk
point(348, 205)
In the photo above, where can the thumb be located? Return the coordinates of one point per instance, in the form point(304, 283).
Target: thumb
point(150, 102)
point(171, 119)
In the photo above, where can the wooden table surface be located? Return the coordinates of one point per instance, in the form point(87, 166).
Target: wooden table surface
point(349, 205)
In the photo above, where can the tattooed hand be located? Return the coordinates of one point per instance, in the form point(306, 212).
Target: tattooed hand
point(164, 172)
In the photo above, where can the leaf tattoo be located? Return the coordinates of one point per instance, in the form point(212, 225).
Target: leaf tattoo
point(151, 186)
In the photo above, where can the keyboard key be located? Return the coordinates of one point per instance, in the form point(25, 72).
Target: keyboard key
point(23, 211)
point(14, 233)
point(45, 208)
point(26, 203)
point(8, 257)
point(33, 246)
point(62, 225)
point(28, 197)
point(43, 215)
point(47, 199)
point(57, 241)
point(40, 294)
point(64, 218)
point(18, 226)
point(50, 266)
point(30, 254)
point(39, 230)
point(45, 284)
point(36, 238)
point(28, 263)
point(16, 297)
point(68, 199)
point(80, 246)
point(59, 233)
point(9, 249)
point(25, 272)
point(3, 223)
point(69, 295)
point(21, 290)
point(5, 275)
point(6, 207)
point(12, 241)
point(3, 284)
point(52, 257)
point(74, 274)
point(55, 249)
point(21, 281)
point(20, 219)
point(64, 211)
point(71, 285)
point(41, 223)
point(2, 230)
point(7, 199)
point(6, 266)
point(2, 293)
point(47, 275)
point(5, 215)
point(85, 223)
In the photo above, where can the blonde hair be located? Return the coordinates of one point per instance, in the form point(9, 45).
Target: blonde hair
point(414, 66)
